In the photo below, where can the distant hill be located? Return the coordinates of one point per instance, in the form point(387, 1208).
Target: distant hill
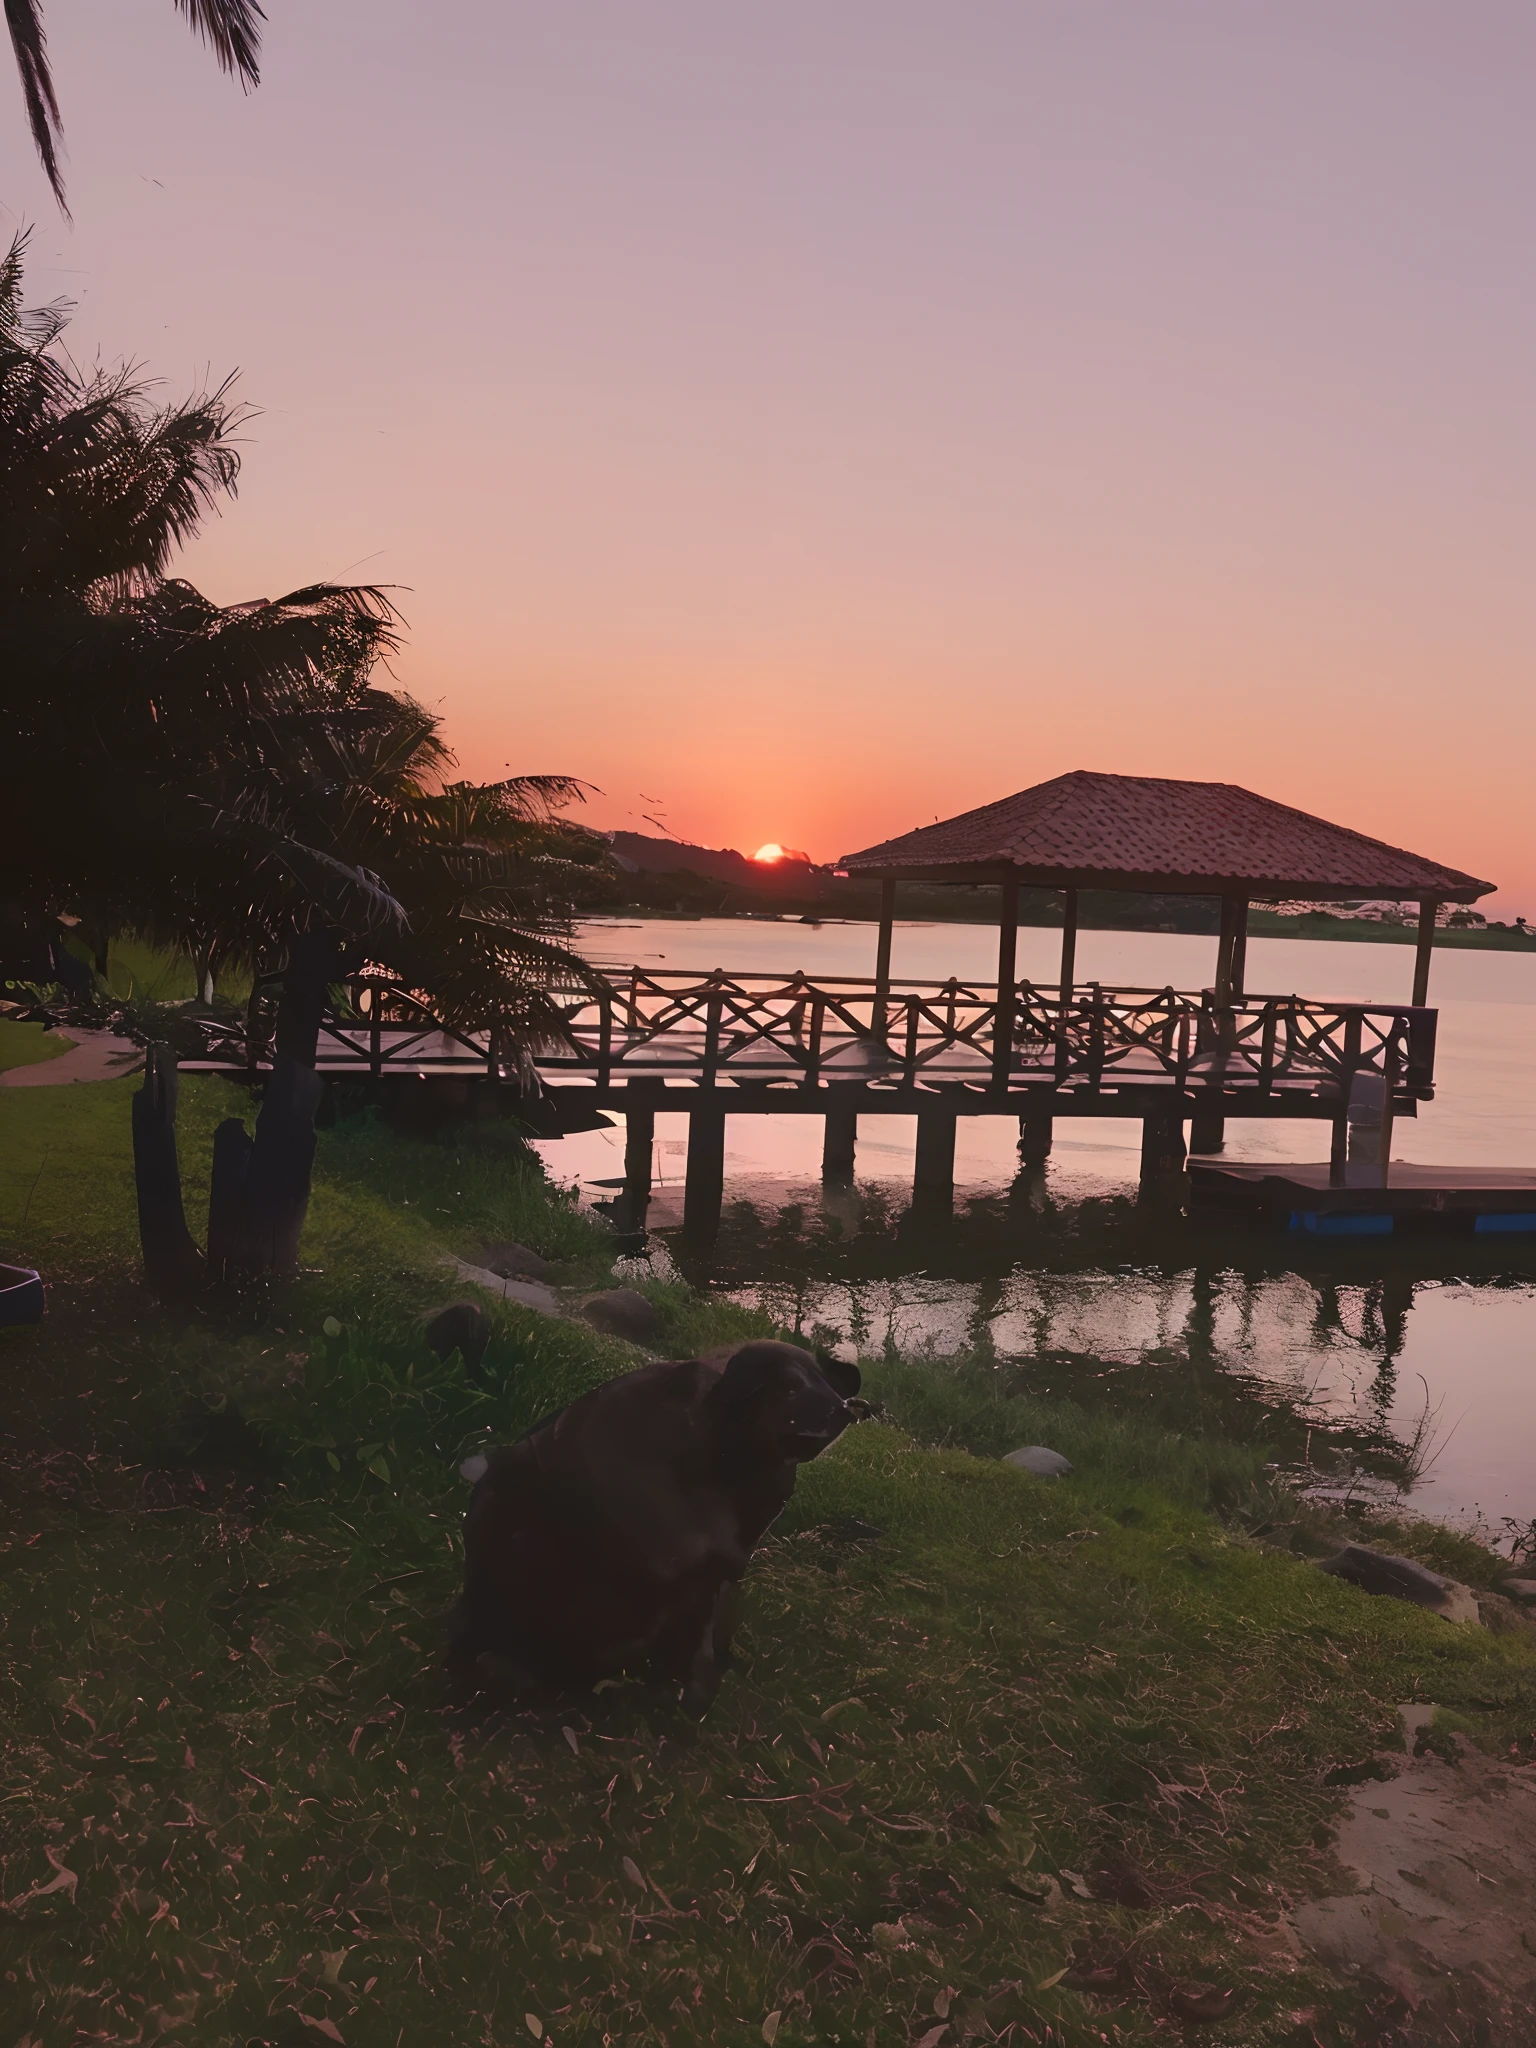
point(638, 853)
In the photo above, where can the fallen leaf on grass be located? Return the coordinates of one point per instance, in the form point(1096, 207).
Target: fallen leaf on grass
point(771, 2027)
point(534, 2025)
point(570, 1736)
point(327, 2027)
point(1201, 2001)
point(942, 2002)
point(932, 2038)
point(1078, 1883)
point(64, 1880)
point(331, 1960)
point(633, 1872)
point(1050, 1983)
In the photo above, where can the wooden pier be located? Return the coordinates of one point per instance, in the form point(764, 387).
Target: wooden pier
point(841, 1047)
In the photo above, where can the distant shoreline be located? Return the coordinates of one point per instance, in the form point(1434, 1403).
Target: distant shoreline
point(1262, 923)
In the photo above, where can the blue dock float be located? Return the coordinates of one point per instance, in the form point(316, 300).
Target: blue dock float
point(1362, 1199)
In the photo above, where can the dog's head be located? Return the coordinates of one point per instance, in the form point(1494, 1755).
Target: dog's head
point(789, 1403)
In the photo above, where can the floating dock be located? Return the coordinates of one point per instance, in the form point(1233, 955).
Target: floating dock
point(1367, 1200)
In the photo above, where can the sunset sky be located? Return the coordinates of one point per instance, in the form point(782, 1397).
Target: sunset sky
point(806, 419)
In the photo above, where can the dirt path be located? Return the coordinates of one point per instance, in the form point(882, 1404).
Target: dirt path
point(93, 1056)
point(1445, 1918)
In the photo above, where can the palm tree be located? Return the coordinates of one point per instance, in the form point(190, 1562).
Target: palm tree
point(231, 28)
point(231, 778)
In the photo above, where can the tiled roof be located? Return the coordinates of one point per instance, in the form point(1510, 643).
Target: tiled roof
point(1149, 832)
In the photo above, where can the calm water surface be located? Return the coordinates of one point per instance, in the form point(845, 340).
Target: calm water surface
point(1062, 1261)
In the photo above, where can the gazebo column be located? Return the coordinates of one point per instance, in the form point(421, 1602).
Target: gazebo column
point(1007, 976)
point(1231, 950)
point(883, 955)
point(1068, 943)
point(1068, 977)
point(1427, 909)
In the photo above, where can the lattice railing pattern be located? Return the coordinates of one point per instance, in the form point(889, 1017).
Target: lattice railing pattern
point(795, 1029)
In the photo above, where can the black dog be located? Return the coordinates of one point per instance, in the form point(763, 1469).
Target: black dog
point(611, 1537)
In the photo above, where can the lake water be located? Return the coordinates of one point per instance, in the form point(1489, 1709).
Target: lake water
point(1061, 1261)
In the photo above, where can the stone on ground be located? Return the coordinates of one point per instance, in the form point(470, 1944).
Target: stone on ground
point(624, 1312)
point(513, 1261)
point(1400, 1578)
point(1045, 1464)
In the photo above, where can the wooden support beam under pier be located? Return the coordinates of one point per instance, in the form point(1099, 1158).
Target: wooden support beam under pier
point(1162, 1146)
point(1035, 1134)
point(1207, 1131)
point(704, 1188)
point(933, 1179)
point(639, 1145)
point(839, 1141)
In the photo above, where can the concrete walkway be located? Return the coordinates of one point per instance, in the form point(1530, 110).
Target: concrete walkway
point(93, 1056)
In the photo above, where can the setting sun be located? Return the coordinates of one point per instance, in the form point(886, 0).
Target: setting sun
point(772, 851)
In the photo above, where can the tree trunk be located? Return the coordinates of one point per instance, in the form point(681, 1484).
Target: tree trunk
point(172, 1261)
point(260, 1191)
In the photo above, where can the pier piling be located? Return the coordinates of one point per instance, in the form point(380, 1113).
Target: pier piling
point(838, 1145)
point(933, 1180)
point(639, 1143)
point(705, 1184)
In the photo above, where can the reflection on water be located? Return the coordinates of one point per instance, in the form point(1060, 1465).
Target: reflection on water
point(1061, 1261)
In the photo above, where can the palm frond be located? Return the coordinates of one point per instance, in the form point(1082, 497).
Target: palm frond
point(24, 19)
point(232, 30)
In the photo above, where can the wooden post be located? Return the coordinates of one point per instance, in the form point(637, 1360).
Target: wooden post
point(639, 1144)
point(704, 1187)
point(1067, 982)
point(1068, 943)
point(838, 1142)
point(1427, 910)
point(1007, 955)
point(883, 955)
point(933, 1179)
point(1338, 1156)
point(1239, 948)
point(1162, 1145)
point(1207, 1131)
point(1389, 1067)
point(1226, 946)
point(1035, 1132)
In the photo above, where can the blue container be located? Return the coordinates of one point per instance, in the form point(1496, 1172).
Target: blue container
point(1341, 1223)
point(1499, 1225)
point(21, 1295)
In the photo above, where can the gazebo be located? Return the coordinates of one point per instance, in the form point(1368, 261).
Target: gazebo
point(1153, 834)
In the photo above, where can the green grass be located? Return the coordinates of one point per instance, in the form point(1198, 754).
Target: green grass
point(28, 1045)
point(985, 1729)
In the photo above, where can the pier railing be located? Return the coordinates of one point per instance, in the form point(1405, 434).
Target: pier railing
point(797, 1030)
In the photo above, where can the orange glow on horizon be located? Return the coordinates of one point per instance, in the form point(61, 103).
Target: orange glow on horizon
point(771, 852)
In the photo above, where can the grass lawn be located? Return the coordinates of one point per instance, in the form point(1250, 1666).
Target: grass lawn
point(1002, 1758)
point(27, 1045)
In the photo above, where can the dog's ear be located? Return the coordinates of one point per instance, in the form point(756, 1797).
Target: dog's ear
point(843, 1379)
point(748, 1375)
